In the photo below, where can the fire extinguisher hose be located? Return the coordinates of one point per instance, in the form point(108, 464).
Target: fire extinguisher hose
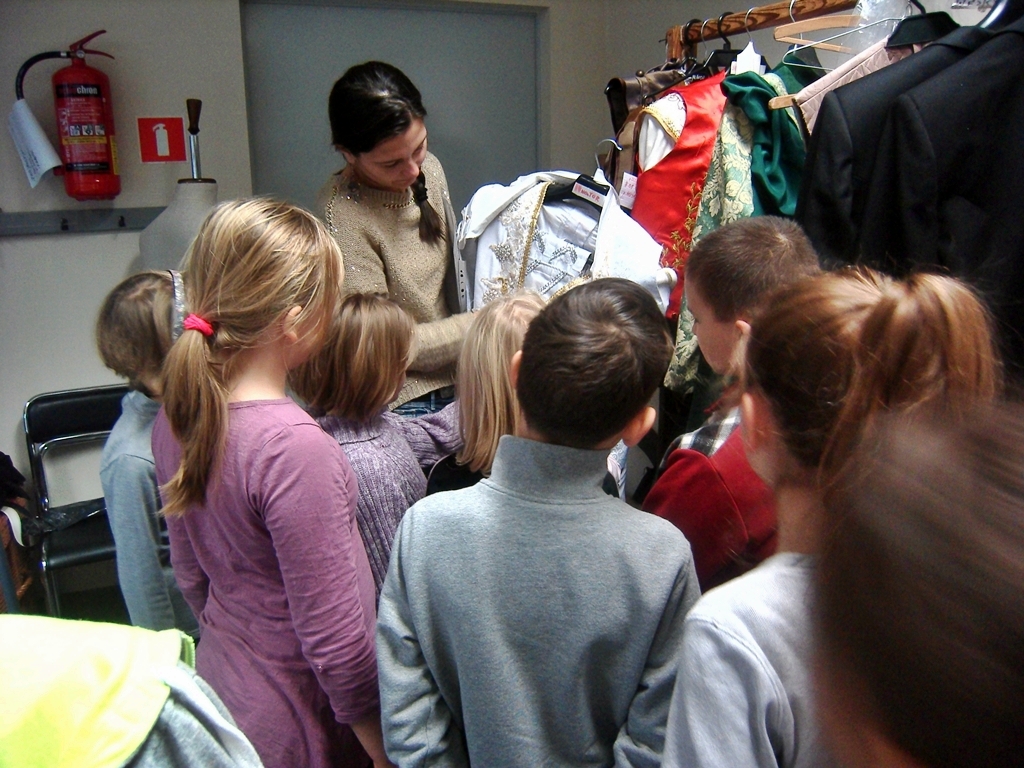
point(19, 92)
point(76, 50)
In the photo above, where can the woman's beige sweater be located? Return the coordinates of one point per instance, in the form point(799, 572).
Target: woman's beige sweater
point(378, 233)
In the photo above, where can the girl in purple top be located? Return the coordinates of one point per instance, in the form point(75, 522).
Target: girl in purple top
point(359, 371)
point(260, 502)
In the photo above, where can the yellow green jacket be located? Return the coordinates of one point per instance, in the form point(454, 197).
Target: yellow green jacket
point(79, 693)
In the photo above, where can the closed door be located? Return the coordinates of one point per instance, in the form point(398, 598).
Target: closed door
point(476, 70)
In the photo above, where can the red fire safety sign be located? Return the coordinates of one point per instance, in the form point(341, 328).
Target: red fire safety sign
point(162, 139)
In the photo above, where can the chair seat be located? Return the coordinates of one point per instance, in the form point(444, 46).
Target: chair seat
point(89, 541)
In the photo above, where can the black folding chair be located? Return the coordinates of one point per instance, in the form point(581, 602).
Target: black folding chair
point(77, 533)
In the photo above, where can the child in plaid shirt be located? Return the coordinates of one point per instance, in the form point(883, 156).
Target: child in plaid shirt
point(705, 485)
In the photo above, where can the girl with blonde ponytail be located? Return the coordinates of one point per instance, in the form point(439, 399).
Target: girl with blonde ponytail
point(823, 360)
point(260, 502)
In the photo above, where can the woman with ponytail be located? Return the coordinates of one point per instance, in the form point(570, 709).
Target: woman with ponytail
point(260, 503)
point(389, 211)
point(824, 359)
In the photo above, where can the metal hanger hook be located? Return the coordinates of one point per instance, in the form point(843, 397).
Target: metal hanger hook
point(597, 150)
point(746, 25)
point(728, 45)
point(791, 4)
point(703, 24)
point(686, 30)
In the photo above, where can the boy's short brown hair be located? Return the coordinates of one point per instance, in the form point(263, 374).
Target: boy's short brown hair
point(591, 361)
point(360, 367)
point(737, 266)
point(133, 330)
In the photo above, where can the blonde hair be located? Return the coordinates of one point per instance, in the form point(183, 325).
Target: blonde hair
point(251, 263)
point(488, 407)
point(133, 330)
point(360, 368)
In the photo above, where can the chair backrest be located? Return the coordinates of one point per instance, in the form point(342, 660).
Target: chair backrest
point(67, 418)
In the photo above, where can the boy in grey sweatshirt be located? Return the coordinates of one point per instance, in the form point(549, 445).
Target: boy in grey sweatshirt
point(532, 619)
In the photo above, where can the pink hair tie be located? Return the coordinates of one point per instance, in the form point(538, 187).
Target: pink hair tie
point(196, 323)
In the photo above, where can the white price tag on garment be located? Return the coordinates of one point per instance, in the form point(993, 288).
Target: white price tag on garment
point(627, 195)
point(581, 190)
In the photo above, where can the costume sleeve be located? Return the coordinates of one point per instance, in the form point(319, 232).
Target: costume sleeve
point(691, 495)
point(307, 493)
point(191, 578)
point(431, 437)
point(825, 207)
point(903, 208)
point(728, 704)
point(418, 725)
point(129, 488)
point(641, 739)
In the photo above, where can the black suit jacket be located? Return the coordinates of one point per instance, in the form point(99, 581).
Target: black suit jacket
point(947, 188)
point(842, 148)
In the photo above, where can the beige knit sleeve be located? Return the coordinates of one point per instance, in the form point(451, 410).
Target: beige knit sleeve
point(439, 343)
point(364, 268)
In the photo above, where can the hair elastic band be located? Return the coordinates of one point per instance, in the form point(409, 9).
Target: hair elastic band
point(196, 323)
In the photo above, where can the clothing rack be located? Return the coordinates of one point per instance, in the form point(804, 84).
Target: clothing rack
point(685, 37)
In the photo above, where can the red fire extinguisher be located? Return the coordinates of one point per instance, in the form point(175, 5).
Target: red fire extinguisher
point(85, 123)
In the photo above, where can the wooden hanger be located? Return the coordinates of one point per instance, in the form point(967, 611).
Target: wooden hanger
point(783, 36)
point(836, 21)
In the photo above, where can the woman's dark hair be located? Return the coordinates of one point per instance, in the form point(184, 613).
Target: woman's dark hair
point(373, 102)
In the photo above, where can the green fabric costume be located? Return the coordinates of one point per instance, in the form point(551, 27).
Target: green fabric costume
point(755, 169)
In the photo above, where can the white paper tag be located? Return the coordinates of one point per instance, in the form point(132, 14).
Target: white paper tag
point(37, 155)
point(581, 190)
point(627, 195)
point(748, 60)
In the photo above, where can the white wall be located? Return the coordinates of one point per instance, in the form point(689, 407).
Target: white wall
point(51, 286)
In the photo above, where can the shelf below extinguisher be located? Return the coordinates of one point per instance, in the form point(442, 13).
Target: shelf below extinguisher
point(86, 221)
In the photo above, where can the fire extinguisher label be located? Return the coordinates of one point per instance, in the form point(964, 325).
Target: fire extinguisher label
point(77, 90)
point(82, 130)
point(88, 167)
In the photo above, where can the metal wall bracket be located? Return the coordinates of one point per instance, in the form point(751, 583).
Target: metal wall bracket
point(84, 221)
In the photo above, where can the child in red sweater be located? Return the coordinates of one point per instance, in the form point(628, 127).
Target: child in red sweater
point(706, 487)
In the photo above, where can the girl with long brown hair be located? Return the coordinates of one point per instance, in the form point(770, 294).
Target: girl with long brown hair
point(825, 358)
point(260, 502)
point(348, 386)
